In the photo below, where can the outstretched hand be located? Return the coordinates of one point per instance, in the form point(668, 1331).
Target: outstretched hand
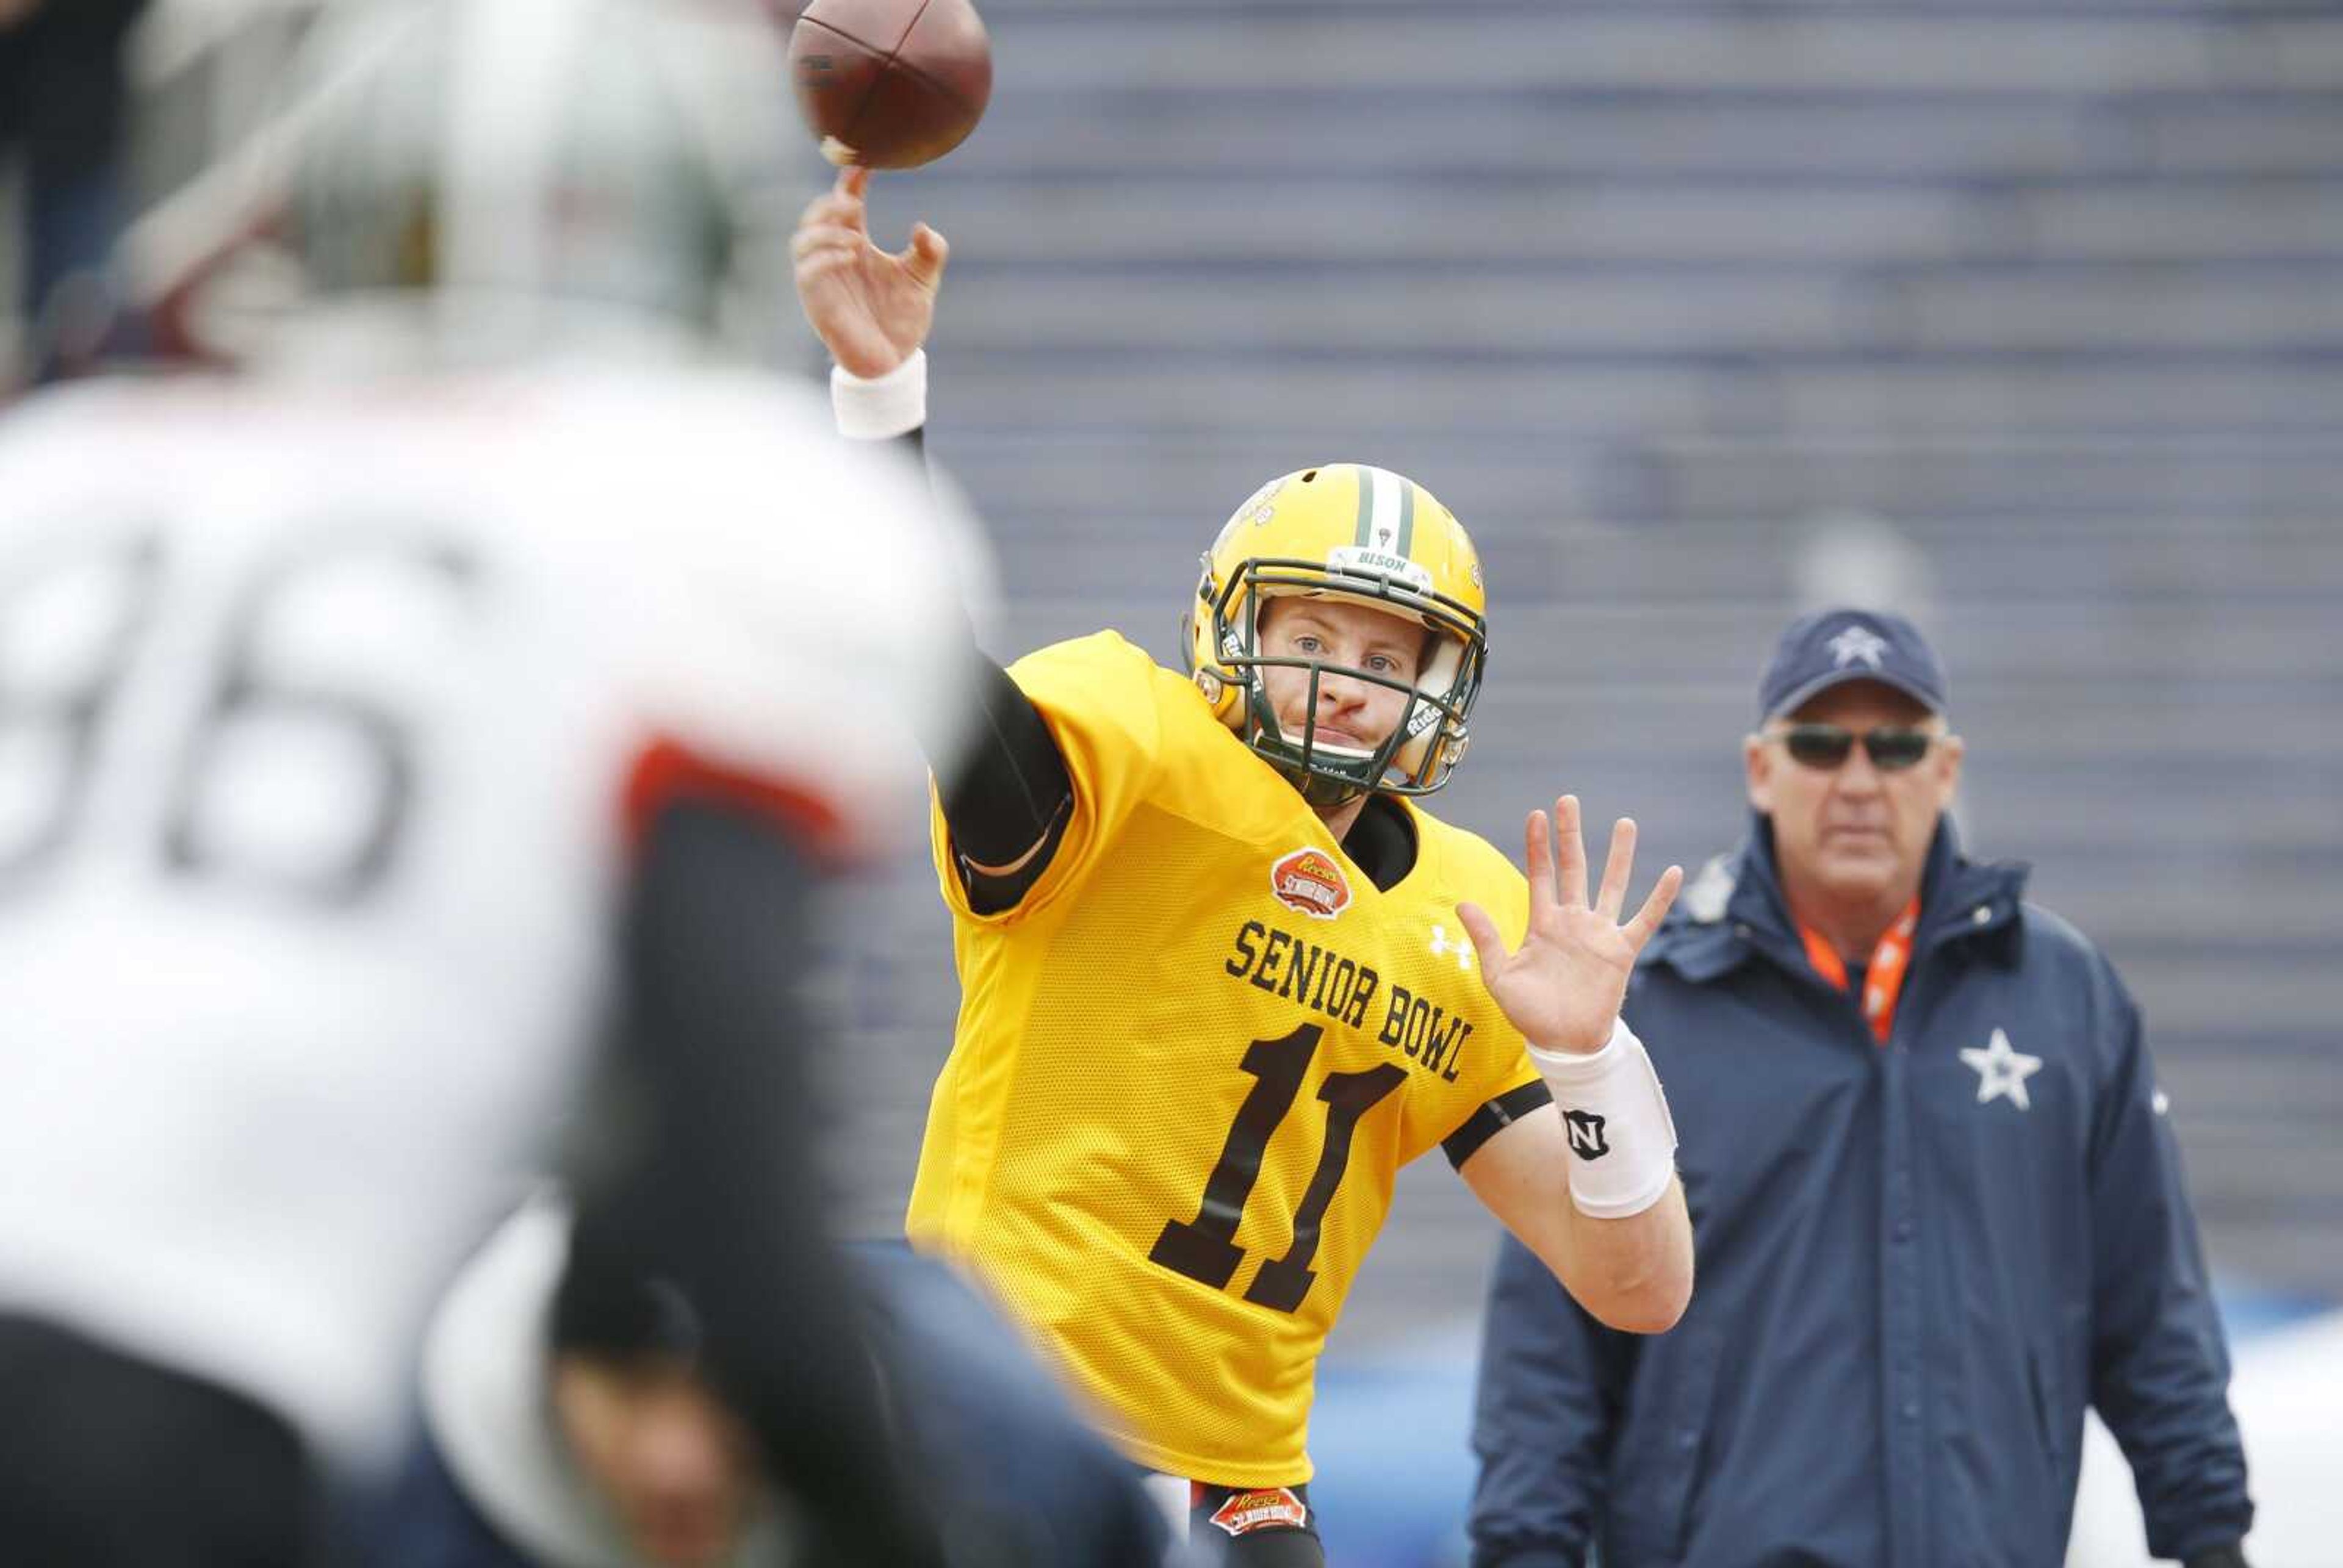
point(1562, 987)
point(872, 308)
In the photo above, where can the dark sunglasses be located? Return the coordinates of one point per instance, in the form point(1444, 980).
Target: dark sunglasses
point(1827, 746)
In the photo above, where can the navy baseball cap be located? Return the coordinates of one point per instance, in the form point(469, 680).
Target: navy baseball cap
point(1819, 651)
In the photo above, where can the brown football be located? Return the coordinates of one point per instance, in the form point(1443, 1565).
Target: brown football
point(891, 84)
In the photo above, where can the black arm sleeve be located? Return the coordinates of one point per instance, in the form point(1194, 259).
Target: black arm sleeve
point(718, 1184)
point(1010, 795)
point(1008, 791)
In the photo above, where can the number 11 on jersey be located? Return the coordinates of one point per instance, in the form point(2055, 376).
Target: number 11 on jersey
point(1204, 1249)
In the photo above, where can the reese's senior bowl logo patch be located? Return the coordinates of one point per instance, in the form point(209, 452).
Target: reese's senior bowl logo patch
point(1309, 880)
point(1272, 1507)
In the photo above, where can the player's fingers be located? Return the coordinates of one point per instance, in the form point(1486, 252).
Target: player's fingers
point(853, 181)
point(843, 203)
point(819, 212)
point(1486, 940)
point(1655, 908)
point(824, 236)
point(1616, 868)
point(1570, 853)
point(925, 258)
point(814, 269)
point(822, 271)
point(838, 198)
point(831, 213)
point(1537, 862)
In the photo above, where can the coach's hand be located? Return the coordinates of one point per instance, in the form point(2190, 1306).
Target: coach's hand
point(872, 308)
point(1563, 987)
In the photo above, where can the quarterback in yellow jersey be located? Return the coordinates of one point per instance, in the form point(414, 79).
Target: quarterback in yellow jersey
point(1222, 977)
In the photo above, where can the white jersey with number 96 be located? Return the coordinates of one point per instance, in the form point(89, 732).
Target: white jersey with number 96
point(321, 714)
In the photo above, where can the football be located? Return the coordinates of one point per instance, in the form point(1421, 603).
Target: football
point(891, 84)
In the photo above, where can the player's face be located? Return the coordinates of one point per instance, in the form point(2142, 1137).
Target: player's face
point(1353, 715)
point(1854, 832)
point(671, 1461)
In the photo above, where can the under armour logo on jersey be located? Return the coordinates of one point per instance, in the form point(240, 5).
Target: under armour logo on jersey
point(1857, 645)
point(1442, 947)
point(1586, 1140)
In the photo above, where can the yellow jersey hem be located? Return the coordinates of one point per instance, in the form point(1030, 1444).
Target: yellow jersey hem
point(1211, 1471)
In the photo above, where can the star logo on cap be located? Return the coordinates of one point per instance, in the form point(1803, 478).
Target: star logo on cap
point(1856, 644)
point(2001, 1072)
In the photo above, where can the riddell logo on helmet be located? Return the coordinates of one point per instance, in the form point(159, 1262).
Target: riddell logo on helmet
point(1309, 881)
point(1272, 1508)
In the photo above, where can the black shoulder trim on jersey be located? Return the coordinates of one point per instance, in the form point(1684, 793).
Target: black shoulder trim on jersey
point(1492, 1119)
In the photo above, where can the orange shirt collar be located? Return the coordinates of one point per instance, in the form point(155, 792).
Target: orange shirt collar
point(1883, 979)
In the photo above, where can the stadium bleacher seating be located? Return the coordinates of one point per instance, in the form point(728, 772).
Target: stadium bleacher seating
point(1649, 293)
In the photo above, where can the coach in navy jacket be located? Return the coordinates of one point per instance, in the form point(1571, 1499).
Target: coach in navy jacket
point(1935, 1199)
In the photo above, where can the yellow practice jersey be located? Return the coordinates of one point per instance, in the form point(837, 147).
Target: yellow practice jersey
point(1190, 1064)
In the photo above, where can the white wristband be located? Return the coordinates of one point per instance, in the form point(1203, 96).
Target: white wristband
point(883, 405)
point(1623, 1142)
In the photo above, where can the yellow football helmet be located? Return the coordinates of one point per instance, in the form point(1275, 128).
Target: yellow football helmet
point(1349, 531)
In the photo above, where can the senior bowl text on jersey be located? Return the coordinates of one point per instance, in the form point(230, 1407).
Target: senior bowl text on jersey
point(1289, 964)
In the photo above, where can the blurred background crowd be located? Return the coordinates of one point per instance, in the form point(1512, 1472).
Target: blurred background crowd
point(2027, 319)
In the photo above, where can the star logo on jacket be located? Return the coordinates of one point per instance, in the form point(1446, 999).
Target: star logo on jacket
point(1461, 947)
point(2001, 1072)
point(1857, 645)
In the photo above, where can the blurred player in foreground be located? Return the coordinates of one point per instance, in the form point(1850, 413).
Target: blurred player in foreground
point(376, 742)
point(1223, 976)
point(568, 1422)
